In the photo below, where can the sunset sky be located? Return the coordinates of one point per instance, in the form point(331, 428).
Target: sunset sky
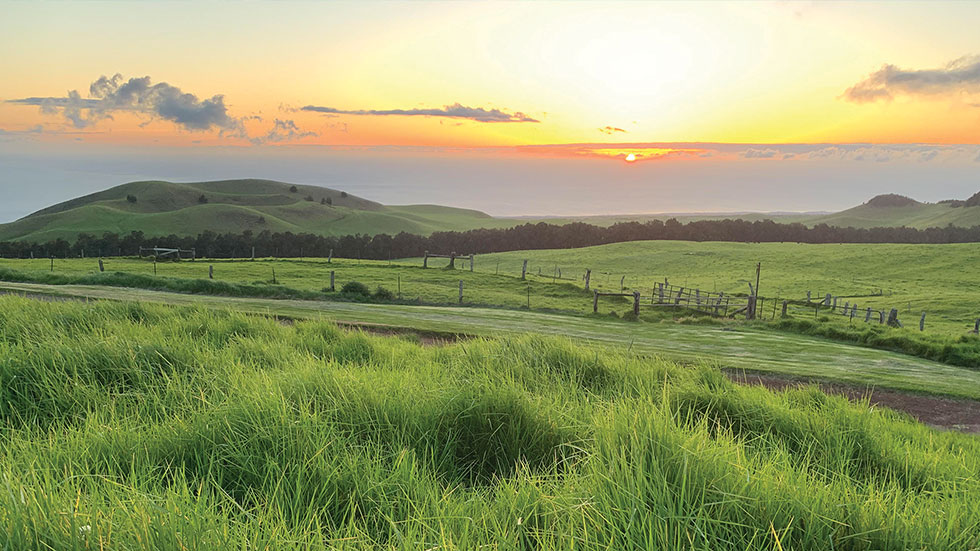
point(398, 101)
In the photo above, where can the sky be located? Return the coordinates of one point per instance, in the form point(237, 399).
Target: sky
point(532, 108)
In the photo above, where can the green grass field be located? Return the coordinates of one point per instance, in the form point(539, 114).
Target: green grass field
point(739, 347)
point(936, 279)
point(137, 426)
point(788, 270)
point(432, 285)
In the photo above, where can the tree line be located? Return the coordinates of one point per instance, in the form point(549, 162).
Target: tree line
point(527, 236)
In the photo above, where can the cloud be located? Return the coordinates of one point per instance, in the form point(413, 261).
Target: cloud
point(961, 75)
point(455, 111)
point(611, 130)
point(767, 153)
point(139, 95)
point(282, 131)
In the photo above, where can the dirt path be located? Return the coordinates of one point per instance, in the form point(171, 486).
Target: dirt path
point(935, 411)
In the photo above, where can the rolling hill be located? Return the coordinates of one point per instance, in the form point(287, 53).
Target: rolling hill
point(895, 211)
point(164, 208)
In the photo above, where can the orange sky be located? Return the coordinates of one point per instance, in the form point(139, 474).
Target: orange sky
point(582, 73)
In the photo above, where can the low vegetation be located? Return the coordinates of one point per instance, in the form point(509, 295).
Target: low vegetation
point(132, 426)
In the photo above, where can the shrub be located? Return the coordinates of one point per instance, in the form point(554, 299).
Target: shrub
point(131, 198)
point(202, 199)
point(293, 189)
point(343, 194)
point(308, 198)
point(383, 294)
point(328, 201)
point(355, 288)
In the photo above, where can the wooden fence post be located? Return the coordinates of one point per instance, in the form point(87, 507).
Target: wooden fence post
point(471, 262)
point(661, 293)
point(330, 257)
point(893, 318)
point(452, 260)
point(524, 270)
point(253, 253)
point(622, 284)
point(399, 286)
point(274, 276)
point(332, 288)
point(867, 317)
point(425, 260)
point(636, 303)
point(827, 300)
point(211, 271)
point(52, 263)
point(461, 291)
point(101, 266)
point(881, 317)
point(595, 302)
point(808, 297)
point(588, 275)
point(785, 305)
point(853, 311)
point(976, 327)
point(922, 322)
point(154, 265)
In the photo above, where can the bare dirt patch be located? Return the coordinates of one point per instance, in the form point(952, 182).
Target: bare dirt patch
point(936, 411)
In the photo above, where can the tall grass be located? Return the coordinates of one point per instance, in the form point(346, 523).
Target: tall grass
point(133, 426)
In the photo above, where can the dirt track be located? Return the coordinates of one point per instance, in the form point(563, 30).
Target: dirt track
point(936, 411)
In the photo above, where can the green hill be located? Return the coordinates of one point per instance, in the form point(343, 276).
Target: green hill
point(896, 211)
point(164, 208)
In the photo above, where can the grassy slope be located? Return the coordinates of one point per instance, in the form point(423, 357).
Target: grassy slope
point(737, 347)
point(914, 216)
point(163, 208)
point(915, 278)
point(129, 426)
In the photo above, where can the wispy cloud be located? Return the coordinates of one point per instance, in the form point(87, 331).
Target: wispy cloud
point(753, 153)
point(611, 130)
point(139, 95)
point(283, 131)
point(958, 76)
point(455, 111)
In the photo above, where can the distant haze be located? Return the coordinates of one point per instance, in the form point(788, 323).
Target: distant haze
point(511, 182)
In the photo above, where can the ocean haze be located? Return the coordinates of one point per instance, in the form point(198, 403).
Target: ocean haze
point(34, 175)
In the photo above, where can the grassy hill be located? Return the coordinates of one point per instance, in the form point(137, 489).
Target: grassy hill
point(163, 208)
point(896, 211)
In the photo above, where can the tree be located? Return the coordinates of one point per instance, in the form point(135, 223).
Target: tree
point(202, 199)
point(329, 201)
point(293, 189)
point(308, 198)
point(131, 198)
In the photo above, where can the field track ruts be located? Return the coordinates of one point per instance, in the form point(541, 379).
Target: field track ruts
point(740, 349)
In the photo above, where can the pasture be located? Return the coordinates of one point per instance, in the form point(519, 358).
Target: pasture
point(936, 279)
point(194, 428)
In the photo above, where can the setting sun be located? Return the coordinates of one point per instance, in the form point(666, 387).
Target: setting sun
point(630, 158)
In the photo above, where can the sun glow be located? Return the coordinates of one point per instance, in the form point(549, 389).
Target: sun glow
point(630, 158)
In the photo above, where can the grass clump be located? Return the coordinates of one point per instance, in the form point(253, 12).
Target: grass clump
point(150, 427)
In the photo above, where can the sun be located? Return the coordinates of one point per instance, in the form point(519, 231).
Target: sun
point(630, 158)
